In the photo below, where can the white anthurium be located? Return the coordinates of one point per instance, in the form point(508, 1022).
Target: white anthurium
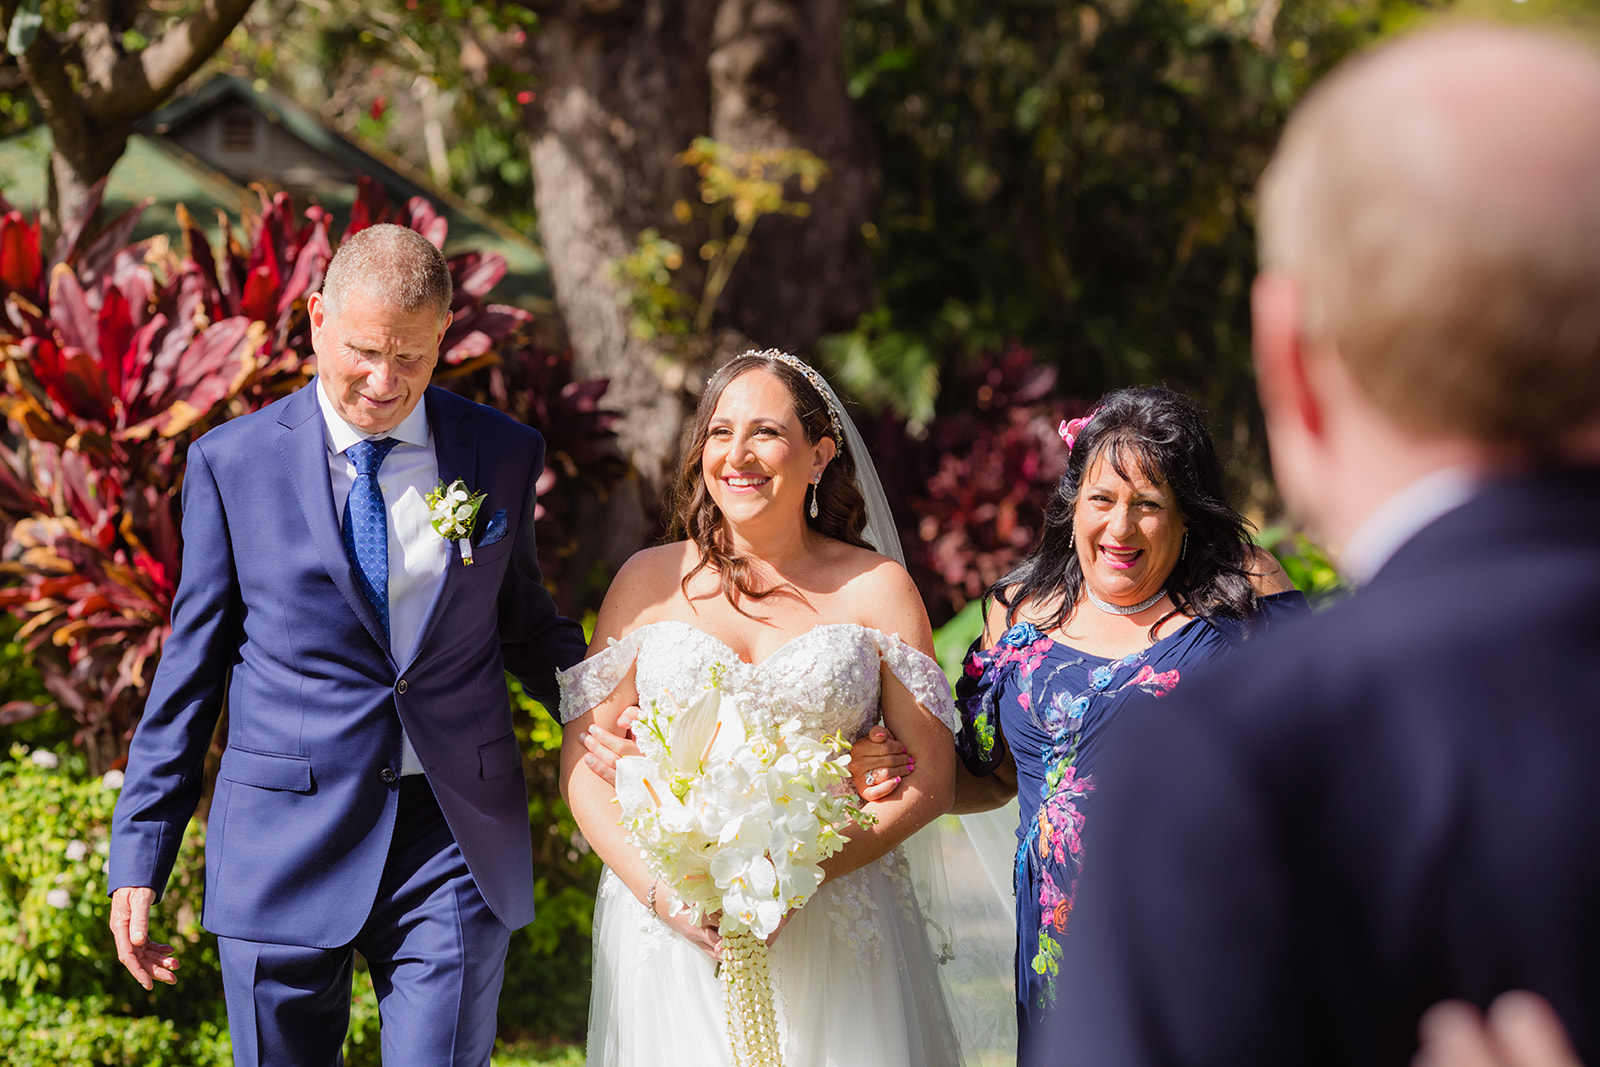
point(643, 786)
point(708, 730)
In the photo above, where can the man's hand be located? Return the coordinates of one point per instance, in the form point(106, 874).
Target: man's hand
point(1521, 1030)
point(146, 960)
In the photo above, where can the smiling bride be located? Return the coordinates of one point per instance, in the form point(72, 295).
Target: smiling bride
point(777, 592)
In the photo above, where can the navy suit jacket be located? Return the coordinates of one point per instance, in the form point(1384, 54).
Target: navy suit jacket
point(1378, 807)
point(269, 621)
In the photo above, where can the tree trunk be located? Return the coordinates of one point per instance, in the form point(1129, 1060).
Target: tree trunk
point(777, 81)
point(627, 86)
point(92, 93)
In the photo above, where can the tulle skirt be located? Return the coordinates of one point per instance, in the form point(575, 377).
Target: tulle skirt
point(855, 983)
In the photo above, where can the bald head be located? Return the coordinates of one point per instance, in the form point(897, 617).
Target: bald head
point(1437, 203)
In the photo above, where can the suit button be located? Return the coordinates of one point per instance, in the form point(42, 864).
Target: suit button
point(387, 775)
point(401, 686)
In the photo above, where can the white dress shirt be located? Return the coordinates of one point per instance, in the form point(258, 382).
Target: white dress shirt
point(1401, 517)
point(418, 555)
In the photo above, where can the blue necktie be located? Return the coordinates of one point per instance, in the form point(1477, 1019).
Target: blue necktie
point(366, 527)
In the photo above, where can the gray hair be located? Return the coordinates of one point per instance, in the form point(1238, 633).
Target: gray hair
point(391, 262)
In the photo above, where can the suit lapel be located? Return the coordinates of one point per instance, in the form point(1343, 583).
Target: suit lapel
point(455, 448)
point(305, 452)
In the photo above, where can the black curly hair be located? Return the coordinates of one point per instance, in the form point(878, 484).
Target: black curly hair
point(1161, 434)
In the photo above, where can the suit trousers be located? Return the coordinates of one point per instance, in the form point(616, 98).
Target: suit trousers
point(435, 951)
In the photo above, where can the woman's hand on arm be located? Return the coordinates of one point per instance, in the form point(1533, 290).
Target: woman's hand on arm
point(878, 763)
point(603, 748)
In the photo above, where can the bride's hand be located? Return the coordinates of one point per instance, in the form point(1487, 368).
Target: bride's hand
point(877, 763)
point(605, 748)
point(781, 924)
point(702, 935)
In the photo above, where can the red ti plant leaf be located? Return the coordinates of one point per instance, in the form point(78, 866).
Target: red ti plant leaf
point(261, 285)
point(371, 205)
point(71, 311)
point(108, 244)
point(116, 330)
point(200, 266)
point(73, 232)
point(420, 215)
point(310, 264)
point(474, 274)
point(72, 379)
point(20, 267)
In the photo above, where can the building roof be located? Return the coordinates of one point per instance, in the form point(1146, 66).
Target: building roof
point(166, 161)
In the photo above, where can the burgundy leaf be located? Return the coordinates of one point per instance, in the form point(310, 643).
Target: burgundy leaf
point(309, 267)
point(475, 273)
point(72, 232)
point(20, 268)
point(115, 330)
point(421, 216)
point(69, 308)
point(101, 251)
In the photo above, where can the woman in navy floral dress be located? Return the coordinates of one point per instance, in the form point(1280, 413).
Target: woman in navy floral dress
point(1143, 573)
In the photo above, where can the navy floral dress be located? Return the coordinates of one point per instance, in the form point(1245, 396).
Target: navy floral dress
point(1051, 705)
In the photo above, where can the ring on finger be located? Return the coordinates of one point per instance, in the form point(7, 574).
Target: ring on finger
point(871, 777)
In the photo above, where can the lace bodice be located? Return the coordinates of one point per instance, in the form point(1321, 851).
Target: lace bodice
point(827, 677)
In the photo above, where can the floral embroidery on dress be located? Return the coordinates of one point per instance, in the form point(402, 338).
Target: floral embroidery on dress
point(855, 914)
point(1019, 650)
point(1052, 844)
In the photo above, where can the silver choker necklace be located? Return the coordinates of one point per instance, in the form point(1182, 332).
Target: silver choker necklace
point(1118, 609)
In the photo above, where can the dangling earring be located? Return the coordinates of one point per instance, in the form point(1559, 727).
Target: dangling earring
point(814, 498)
point(1072, 541)
point(1183, 553)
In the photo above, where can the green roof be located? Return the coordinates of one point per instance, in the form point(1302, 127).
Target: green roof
point(154, 167)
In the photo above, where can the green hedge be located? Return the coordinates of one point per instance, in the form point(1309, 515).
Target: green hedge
point(67, 1000)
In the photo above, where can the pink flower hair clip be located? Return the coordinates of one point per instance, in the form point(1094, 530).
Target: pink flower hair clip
point(1070, 430)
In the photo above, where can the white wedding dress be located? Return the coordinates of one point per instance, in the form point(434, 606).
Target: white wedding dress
point(855, 979)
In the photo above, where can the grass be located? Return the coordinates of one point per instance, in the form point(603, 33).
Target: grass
point(532, 1052)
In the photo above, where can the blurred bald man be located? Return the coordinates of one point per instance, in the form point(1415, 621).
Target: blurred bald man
point(1393, 803)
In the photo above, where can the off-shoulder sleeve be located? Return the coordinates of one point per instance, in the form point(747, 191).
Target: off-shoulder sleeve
point(590, 681)
point(921, 674)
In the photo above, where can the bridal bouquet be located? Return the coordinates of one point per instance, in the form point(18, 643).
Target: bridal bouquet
point(736, 815)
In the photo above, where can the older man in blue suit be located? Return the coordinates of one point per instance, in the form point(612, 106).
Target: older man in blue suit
point(1393, 802)
point(371, 795)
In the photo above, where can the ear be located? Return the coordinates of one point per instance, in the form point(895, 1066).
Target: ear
point(317, 312)
point(444, 326)
point(1288, 396)
point(822, 456)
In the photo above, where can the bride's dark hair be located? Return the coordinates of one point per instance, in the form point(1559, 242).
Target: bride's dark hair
point(841, 509)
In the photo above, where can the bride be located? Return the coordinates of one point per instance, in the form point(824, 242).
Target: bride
point(775, 585)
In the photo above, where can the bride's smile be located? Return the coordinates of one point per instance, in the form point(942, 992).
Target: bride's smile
point(757, 461)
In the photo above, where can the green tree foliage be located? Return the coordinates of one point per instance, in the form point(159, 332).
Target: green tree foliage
point(737, 190)
point(442, 84)
point(1077, 178)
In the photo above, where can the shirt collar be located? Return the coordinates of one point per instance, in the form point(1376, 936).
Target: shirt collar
point(1402, 517)
point(340, 435)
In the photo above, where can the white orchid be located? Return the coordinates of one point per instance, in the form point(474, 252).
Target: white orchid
point(452, 509)
point(735, 814)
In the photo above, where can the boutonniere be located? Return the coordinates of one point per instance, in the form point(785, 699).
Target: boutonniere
point(453, 509)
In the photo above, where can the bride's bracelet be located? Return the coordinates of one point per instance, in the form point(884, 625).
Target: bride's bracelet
point(650, 899)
